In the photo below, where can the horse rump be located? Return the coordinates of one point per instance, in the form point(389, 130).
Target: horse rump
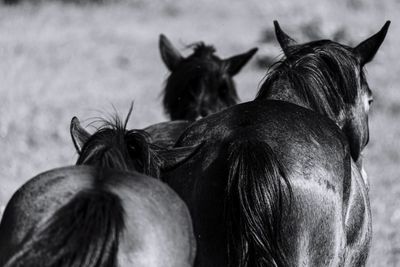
point(255, 196)
point(84, 232)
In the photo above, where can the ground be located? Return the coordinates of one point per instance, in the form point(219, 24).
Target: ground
point(60, 60)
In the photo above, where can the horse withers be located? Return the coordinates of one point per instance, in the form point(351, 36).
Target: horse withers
point(200, 84)
point(100, 213)
point(276, 181)
point(165, 134)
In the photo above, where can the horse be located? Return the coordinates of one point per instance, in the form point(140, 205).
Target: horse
point(101, 212)
point(200, 84)
point(278, 180)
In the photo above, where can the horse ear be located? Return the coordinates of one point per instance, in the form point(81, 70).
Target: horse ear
point(367, 49)
point(78, 134)
point(235, 64)
point(285, 41)
point(175, 156)
point(169, 54)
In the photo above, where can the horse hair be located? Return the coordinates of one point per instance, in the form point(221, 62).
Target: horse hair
point(112, 146)
point(254, 205)
point(200, 49)
point(323, 74)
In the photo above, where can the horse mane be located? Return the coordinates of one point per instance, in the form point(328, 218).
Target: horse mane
point(113, 146)
point(323, 74)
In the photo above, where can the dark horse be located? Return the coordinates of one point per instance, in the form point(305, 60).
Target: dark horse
point(100, 213)
point(275, 182)
point(200, 84)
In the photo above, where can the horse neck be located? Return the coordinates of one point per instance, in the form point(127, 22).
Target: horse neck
point(284, 92)
point(281, 90)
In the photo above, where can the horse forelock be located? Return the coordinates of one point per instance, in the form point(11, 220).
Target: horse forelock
point(202, 50)
point(112, 146)
point(323, 74)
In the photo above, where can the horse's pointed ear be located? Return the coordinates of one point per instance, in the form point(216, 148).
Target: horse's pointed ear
point(169, 54)
point(367, 49)
point(235, 64)
point(78, 134)
point(175, 156)
point(285, 41)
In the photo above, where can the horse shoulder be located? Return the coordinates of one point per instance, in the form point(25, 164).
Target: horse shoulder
point(358, 220)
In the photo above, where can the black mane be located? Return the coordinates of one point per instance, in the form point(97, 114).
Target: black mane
point(112, 146)
point(323, 74)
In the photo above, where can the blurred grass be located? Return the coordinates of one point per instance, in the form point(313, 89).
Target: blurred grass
point(59, 60)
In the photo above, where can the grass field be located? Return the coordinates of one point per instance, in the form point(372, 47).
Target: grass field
point(59, 60)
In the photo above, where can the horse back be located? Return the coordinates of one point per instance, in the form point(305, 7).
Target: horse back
point(309, 146)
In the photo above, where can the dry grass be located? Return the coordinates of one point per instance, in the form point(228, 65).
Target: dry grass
point(58, 60)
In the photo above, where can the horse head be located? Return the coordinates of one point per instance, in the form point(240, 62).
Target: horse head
point(113, 146)
point(200, 84)
point(328, 78)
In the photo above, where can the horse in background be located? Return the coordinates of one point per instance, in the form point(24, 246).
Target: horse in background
point(278, 180)
point(200, 84)
point(102, 212)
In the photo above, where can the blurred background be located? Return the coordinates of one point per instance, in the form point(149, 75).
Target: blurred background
point(60, 59)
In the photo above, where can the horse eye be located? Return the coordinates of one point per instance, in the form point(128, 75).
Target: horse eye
point(370, 101)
